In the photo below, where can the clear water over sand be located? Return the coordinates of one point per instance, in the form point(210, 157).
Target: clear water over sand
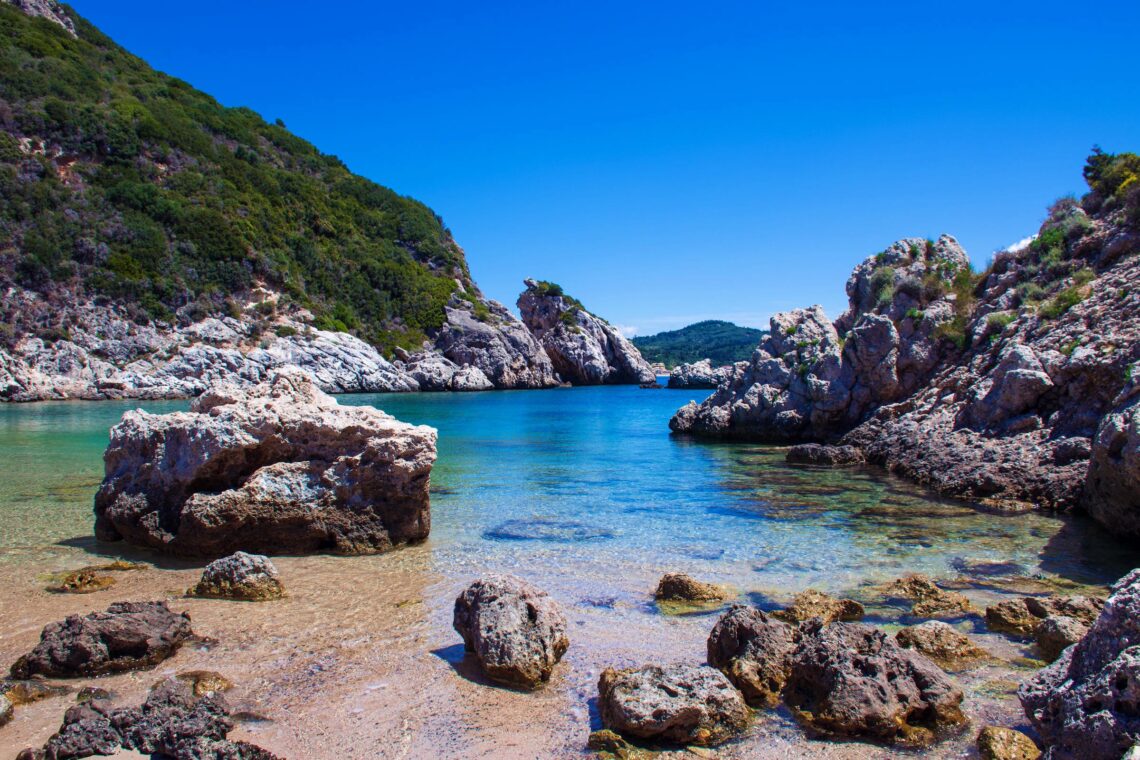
point(582, 491)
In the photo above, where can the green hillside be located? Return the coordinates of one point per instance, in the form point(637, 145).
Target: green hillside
point(120, 181)
point(722, 342)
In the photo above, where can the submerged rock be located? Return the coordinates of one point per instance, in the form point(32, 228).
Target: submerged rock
point(823, 456)
point(948, 648)
point(1087, 703)
point(996, 743)
point(585, 349)
point(679, 587)
point(24, 692)
point(277, 467)
point(681, 704)
point(128, 636)
point(929, 599)
point(516, 631)
point(754, 651)
point(85, 581)
point(247, 577)
point(849, 679)
point(816, 604)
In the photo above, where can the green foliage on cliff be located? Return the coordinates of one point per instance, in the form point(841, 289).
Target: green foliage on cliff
point(1114, 182)
point(118, 180)
point(721, 342)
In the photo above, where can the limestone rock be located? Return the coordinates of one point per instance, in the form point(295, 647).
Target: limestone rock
point(585, 349)
point(1021, 617)
point(501, 348)
point(248, 577)
point(996, 743)
point(1085, 704)
point(1112, 489)
point(516, 631)
point(754, 651)
point(823, 456)
point(848, 679)
point(1011, 616)
point(702, 374)
point(944, 645)
point(679, 587)
point(1056, 633)
point(929, 599)
point(816, 604)
point(681, 704)
point(48, 9)
point(128, 636)
point(277, 467)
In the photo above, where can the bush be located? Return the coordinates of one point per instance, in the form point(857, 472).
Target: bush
point(1069, 297)
point(285, 331)
point(883, 286)
point(1000, 320)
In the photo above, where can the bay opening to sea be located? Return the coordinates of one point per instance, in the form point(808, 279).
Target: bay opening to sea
point(581, 491)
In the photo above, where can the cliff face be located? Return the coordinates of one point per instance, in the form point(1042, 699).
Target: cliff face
point(585, 349)
point(153, 241)
point(1002, 385)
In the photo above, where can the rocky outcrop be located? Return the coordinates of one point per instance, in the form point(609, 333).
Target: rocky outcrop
point(277, 467)
point(498, 345)
point(241, 576)
point(848, 679)
point(754, 651)
point(1021, 617)
point(585, 349)
point(702, 374)
point(944, 645)
point(810, 604)
point(997, 386)
point(128, 636)
point(515, 630)
point(823, 456)
point(1085, 705)
point(48, 9)
point(679, 587)
point(679, 704)
point(173, 722)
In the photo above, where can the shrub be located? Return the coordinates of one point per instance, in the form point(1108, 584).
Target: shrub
point(883, 286)
point(915, 315)
point(1000, 320)
point(285, 331)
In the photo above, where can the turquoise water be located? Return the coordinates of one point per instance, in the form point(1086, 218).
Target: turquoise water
point(590, 478)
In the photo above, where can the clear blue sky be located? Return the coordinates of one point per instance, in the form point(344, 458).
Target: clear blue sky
point(668, 162)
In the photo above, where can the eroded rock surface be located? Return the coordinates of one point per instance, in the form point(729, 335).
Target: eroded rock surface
point(702, 374)
point(929, 600)
point(944, 645)
point(247, 577)
point(810, 604)
point(754, 651)
point(823, 456)
point(997, 743)
point(128, 636)
point(681, 704)
point(278, 467)
point(515, 630)
point(679, 587)
point(585, 349)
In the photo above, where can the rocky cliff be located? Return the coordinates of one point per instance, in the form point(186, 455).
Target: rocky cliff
point(1013, 384)
point(584, 348)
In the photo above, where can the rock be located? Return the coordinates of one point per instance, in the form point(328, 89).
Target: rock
point(248, 577)
point(437, 373)
point(5, 710)
point(680, 704)
point(24, 692)
point(1056, 633)
point(754, 651)
point(83, 581)
point(929, 599)
point(823, 456)
point(848, 679)
point(948, 648)
point(1021, 617)
point(90, 693)
point(995, 743)
point(1011, 616)
point(48, 9)
point(701, 374)
point(277, 467)
point(1113, 483)
point(516, 631)
point(679, 587)
point(816, 604)
point(501, 348)
point(1085, 704)
point(128, 636)
point(585, 349)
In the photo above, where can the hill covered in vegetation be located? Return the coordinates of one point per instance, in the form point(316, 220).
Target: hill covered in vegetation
point(123, 183)
point(721, 342)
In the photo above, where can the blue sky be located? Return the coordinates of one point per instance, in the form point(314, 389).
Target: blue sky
point(669, 162)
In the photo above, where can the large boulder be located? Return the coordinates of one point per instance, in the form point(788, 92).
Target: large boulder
point(128, 636)
point(681, 704)
point(1087, 703)
point(1112, 488)
point(997, 743)
point(702, 374)
point(241, 576)
point(496, 344)
point(848, 679)
point(947, 647)
point(680, 587)
point(279, 467)
point(516, 631)
point(585, 349)
point(754, 651)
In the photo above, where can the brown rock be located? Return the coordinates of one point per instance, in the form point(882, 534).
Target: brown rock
point(1012, 617)
point(679, 587)
point(811, 604)
point(929, 599)
point(754, 651)
point(995, 743)
point(1056, 633)
point(947, 647)
point(240, 576)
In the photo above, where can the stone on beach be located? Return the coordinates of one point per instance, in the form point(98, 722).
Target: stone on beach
point(681, 704)
point(929, 600)
point(277, 467)
point(1056, 633)
point(816, 604)
point(128, 636)
point(516, 631)
point(754, 651)
point(680, 587)
point(948, 648)
point(247, 577)
point(1020, 617)
point(848, 679)
point(997, 743)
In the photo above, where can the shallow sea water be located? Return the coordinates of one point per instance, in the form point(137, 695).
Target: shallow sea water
point(582, 491)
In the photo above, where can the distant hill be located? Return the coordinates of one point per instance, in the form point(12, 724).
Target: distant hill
point(722, 342)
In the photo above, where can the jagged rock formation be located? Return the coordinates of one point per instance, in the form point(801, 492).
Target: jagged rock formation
point(754, 651)
point(585, 349)
point(1002, 385)
point(498, 345)
point(702, 374)
point(278, 467)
